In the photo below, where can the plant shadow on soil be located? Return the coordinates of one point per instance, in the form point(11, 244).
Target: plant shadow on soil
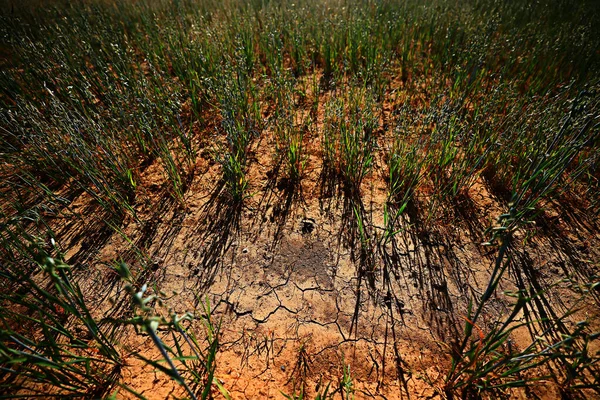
point(220, 222)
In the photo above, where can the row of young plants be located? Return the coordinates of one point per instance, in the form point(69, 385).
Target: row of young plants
point(450, 150)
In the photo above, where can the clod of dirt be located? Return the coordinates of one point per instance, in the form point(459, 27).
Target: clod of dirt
point(308, 225)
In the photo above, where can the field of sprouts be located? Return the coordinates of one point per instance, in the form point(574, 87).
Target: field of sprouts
point(317, 199)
